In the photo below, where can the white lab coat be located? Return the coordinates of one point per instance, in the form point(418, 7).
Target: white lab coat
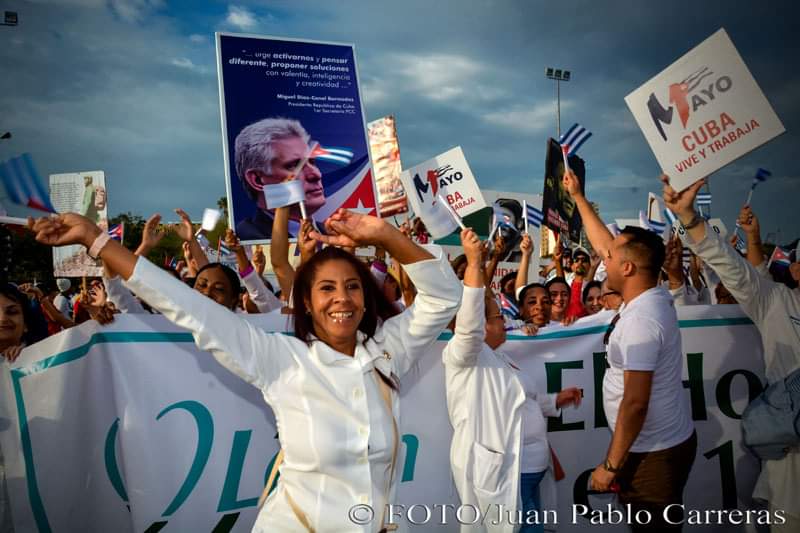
point(775, 310)
point(484, 401)
point(321, 398)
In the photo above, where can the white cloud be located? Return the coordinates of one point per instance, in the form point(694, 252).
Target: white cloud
point(198, 39)
point(135, 10)
point(188, 64)
point(529, 119)
point(241, 18)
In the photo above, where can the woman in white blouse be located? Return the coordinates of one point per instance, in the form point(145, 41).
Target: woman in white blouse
point(499, 453)
point(333, 386)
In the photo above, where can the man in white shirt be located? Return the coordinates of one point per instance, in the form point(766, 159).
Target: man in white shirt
point(775, 310)
point(653, 441)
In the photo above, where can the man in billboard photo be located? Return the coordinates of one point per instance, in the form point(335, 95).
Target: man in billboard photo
point(267, 152)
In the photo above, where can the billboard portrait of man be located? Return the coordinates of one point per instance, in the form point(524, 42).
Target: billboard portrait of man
point(267, 152)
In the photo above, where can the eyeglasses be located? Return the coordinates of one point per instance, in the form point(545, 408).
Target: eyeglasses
point(611, 327)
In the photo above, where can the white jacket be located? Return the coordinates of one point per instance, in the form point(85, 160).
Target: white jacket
point(775, 310)
point(485, 400)
point(327, 406)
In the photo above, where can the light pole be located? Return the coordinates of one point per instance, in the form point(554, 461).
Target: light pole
point(559, 75)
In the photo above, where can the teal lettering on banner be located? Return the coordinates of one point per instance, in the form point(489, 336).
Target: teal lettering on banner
point(599, 365)
point(412, 447)
point(723, 392)
point(205, 438)
point(230, 489)
point(727, 473)
point(694, 366)
point(112, 468)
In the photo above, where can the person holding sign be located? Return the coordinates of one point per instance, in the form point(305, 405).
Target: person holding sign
point(268, 152)
point(653, 441)
point(499, 452)
point(775, 310)
point(333, 386)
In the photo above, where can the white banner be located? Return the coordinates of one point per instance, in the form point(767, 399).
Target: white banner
point(703, 111)
point(130, 428)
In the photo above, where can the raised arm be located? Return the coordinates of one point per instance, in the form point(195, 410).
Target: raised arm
point(236, 344)
point(748, 221)
point(263, 299)
point(526, 247)
point(279, 251)
point(597, 232)
point(494, 257)
point(467, 342)
point(185, 231)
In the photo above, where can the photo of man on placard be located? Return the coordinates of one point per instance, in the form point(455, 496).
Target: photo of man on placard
point(560, 214)
point(265, 153)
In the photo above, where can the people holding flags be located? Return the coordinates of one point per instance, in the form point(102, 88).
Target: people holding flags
point(775, 310)
point(653, 441)
point(345, 359)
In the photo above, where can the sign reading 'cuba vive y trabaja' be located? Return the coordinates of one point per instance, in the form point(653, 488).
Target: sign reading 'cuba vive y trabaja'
point(703, 112)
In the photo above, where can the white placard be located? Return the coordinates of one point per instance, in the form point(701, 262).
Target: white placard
point(703, 111)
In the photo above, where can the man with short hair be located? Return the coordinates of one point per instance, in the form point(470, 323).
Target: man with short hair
point(775, 310)
point(266, 153)
point(653, 441)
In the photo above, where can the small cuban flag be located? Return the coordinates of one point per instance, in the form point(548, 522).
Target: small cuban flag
point(652, 225)
point(761, 176)
point(573, 139)
point(740, 245)
point(507, 307)
point(116, 231)
point(223, 250)
point(534, 216)
point(284, 193)
point(336, 155)
point(780, 256)
point(24, 185)
point(704, 199)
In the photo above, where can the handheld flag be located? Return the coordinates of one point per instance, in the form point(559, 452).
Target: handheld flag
point(704, 198)
point(116, 231)
point(761, 176)
point(780, 256)
point(452, 212)
point(210, 219)
point(739, 244)
point(571, 140)
point(24, 185)
point(223, 250)
point(507, 307)
point(652, 225)
point(533, 216)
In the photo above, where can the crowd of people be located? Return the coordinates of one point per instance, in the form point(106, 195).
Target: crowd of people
point(377, 315)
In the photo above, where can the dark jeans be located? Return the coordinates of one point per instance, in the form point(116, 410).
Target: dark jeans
point(651, 481)
point(531, 499)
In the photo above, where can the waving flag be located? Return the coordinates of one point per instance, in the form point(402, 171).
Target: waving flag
point(223, 250)
point(651, 225)
point(534, 216)
point(24, 185)
point(739, 244)
point(507, 307)
point(761, 176)
point(703, 198)
point(336, 155)
point(573, 139)
point(116, 231)
point(780, 256)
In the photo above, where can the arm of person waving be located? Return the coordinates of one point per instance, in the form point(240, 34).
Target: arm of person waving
point(236, 344)
point(597, 232)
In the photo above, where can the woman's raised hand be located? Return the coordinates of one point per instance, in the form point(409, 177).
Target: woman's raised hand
point(184, 228)
point(347, 228)
point(64, 229)
point(472, 247)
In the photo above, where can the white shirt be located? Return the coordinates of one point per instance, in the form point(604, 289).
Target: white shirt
point(647, 337)
point(334, 426)
point(775, 310)
point(494, 410)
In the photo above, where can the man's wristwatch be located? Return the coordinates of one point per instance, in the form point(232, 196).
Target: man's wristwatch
point(607, 466)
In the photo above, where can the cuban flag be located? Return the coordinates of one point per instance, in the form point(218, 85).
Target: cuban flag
point(24, 185)
point(116, 231)
point(704, 199)
point(740, 245)
point(335, 155)
point(760, 177)
point(534, 216)
point(652, 225)
point(507, 307)
point(573, 139)
point(780, 256)
point(224, 250)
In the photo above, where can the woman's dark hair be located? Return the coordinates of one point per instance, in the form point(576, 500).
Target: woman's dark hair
point(457, 262)
point(508, 277)
point(376, 304)
point(230, 275)
point(557, 279)
point(588, 287)
point(35, 323)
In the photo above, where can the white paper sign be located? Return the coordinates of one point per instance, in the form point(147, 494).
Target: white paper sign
point(447, 175)
point(703, 111)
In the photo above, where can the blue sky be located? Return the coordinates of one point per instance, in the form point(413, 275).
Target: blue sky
point(129, 87)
